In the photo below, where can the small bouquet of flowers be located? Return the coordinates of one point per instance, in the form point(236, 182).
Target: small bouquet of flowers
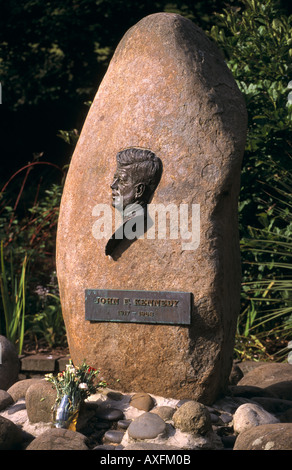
point(73, 386)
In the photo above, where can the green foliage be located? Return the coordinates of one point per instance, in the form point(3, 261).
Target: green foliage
point(29, 214)
point(52, 59)
point(66, 45)
point(267, 290)
point(70, 137)
point(28, 230)
point(257, 43)
point(13, 293)
point(47, 322)
point(256, 39)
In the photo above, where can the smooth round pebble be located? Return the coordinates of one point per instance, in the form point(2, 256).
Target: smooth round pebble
point(114, 436)
point(214, 418)
point(142, 401)
point(110, 414)
point(116, 396)
point(103, 425)
point(165, 412)
point(124, 423)
point(226, 418)
point(147, 426)
point(250, 415)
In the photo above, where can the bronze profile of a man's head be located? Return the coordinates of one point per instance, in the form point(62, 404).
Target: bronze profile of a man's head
point(137, 176)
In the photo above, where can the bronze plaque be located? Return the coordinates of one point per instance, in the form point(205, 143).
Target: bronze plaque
point(103, 305)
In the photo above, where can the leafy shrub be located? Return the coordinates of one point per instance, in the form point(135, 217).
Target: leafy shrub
point(256, 41)
point(47, 322)
point(267, 297)
point(28, 232)
point(257, 44)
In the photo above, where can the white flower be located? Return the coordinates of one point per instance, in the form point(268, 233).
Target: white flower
point(70, 368)
point(83, 386)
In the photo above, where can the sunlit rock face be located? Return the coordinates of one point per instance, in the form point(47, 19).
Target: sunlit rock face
point(167, 89)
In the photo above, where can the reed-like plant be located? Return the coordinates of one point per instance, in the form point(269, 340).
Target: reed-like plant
point(267, 315)
point(12, 307)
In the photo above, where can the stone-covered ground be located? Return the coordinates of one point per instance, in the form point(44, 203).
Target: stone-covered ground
point(255, 414)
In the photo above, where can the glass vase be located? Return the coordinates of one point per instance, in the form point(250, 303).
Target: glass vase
point(65, 415)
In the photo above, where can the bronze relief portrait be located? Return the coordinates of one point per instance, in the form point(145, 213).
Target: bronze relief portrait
point(136, 178)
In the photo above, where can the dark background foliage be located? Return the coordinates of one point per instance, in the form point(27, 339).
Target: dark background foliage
point(53, 57)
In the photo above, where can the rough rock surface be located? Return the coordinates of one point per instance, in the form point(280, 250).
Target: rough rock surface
point(282, 389)
point(40, 398)
point(10, 434)
point(193, 417)
point(266, 437)
point(267, 375)
point(19, 389)
point(5, 399)
point(9, 368)
point(59, 439)
point(167, 89)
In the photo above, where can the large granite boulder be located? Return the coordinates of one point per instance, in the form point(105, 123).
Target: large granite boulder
point(167, 89)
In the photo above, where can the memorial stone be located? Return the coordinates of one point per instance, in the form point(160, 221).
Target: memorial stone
point(167, 98)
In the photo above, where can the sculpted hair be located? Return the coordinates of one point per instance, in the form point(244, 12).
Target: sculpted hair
point(145, 166)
